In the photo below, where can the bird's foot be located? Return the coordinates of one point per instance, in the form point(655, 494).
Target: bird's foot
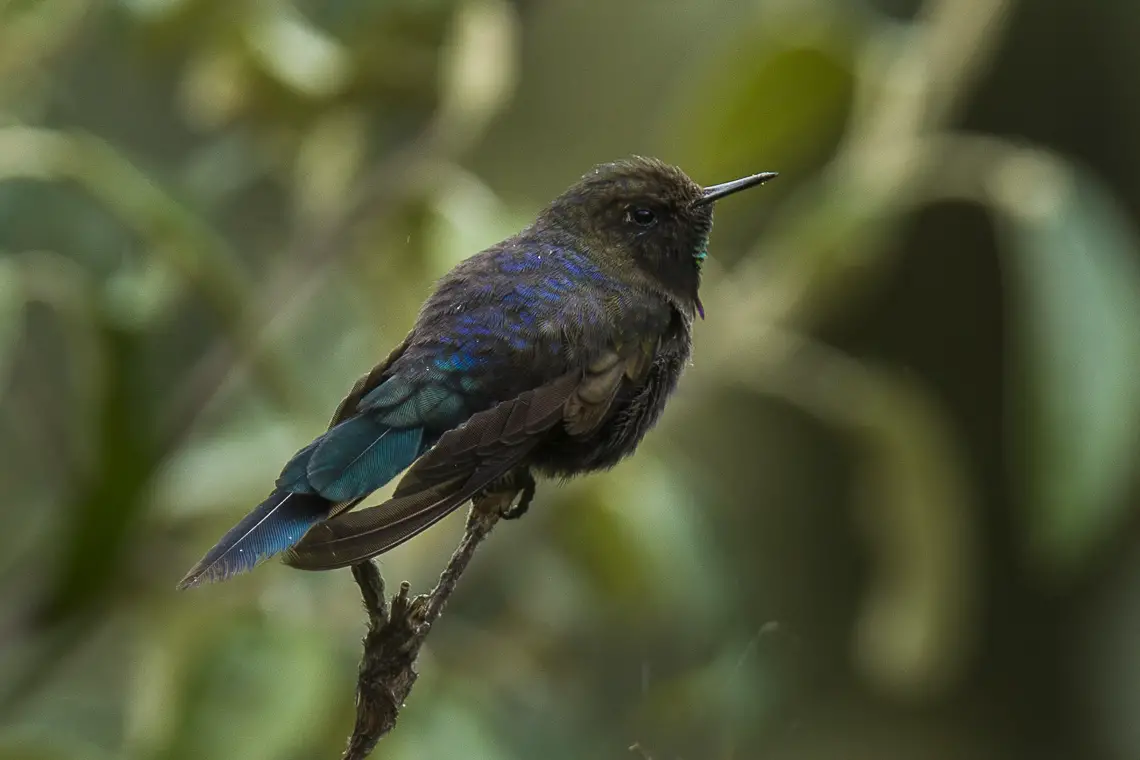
point(509, 497)
point(525, 493)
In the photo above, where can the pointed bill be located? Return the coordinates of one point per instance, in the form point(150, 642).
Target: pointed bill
point(716, 192)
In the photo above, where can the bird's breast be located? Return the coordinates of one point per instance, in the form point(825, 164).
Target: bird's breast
point(636, 410)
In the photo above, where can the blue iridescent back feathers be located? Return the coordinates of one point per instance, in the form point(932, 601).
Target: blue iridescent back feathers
point(552, 352)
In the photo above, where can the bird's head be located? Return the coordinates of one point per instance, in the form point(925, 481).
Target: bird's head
point(644, 214)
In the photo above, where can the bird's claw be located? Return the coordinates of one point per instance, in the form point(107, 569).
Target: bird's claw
point(514, 510)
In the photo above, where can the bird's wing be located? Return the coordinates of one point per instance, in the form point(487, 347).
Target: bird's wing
point(375, 433)
point(389, 420)
point(367, 383)
point(472, 457)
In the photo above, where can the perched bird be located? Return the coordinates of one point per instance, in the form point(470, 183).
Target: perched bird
point(552, 352)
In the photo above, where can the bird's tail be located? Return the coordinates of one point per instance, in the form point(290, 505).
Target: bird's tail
point(275, 525)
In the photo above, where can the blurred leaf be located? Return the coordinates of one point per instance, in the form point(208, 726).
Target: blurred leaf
point(467, 217)
point(479, 66)
point(214, 87)
point(218, 472)
point(454, 727)
point(328, 160)
point(72, 293)
point(67, 289)
point(223, 169)
point(142, 293)
point(298, 54)
point(1073, 403)
point(786, 96)
point(153, 10)
point(735, 692)
point(258, 690)
point(915, 501)
point(110, 499)
point(600, 546)
point(170, 230)
point(27, 39)
point(656, 508)
point(28, 749)
point(12, 300)
point(639, 538)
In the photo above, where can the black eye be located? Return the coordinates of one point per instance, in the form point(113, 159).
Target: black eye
point(642, 217)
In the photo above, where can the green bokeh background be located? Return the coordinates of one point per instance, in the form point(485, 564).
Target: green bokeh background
point(889, 514)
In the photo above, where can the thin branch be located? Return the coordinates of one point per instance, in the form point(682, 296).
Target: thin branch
point(395, 635)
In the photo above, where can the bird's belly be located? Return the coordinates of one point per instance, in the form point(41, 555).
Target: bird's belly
point(563, 456)
point(635, 412)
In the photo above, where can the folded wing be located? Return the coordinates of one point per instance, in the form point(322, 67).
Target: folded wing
point(470, 458)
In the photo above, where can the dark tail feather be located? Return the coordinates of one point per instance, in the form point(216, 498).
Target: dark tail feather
point(275, 525)
point(355, 537)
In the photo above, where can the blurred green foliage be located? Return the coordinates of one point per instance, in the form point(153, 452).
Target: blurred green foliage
point(889, 514)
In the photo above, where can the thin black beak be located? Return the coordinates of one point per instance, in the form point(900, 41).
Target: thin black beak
point(716, 192)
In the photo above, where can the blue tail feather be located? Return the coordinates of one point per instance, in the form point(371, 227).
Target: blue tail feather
point(294, 476)
point(275, 525)
point(360, 455)
point(345, 464)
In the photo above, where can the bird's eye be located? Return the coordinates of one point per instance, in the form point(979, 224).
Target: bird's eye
point(642, 217)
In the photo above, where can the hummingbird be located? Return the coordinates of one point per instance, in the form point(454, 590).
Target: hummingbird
point(551, 353)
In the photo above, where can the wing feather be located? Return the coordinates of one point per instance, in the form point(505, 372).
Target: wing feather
point(463, 462)
point(471, 458)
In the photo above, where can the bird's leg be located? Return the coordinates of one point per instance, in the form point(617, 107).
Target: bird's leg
point(510, 495)
point(525, 484)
